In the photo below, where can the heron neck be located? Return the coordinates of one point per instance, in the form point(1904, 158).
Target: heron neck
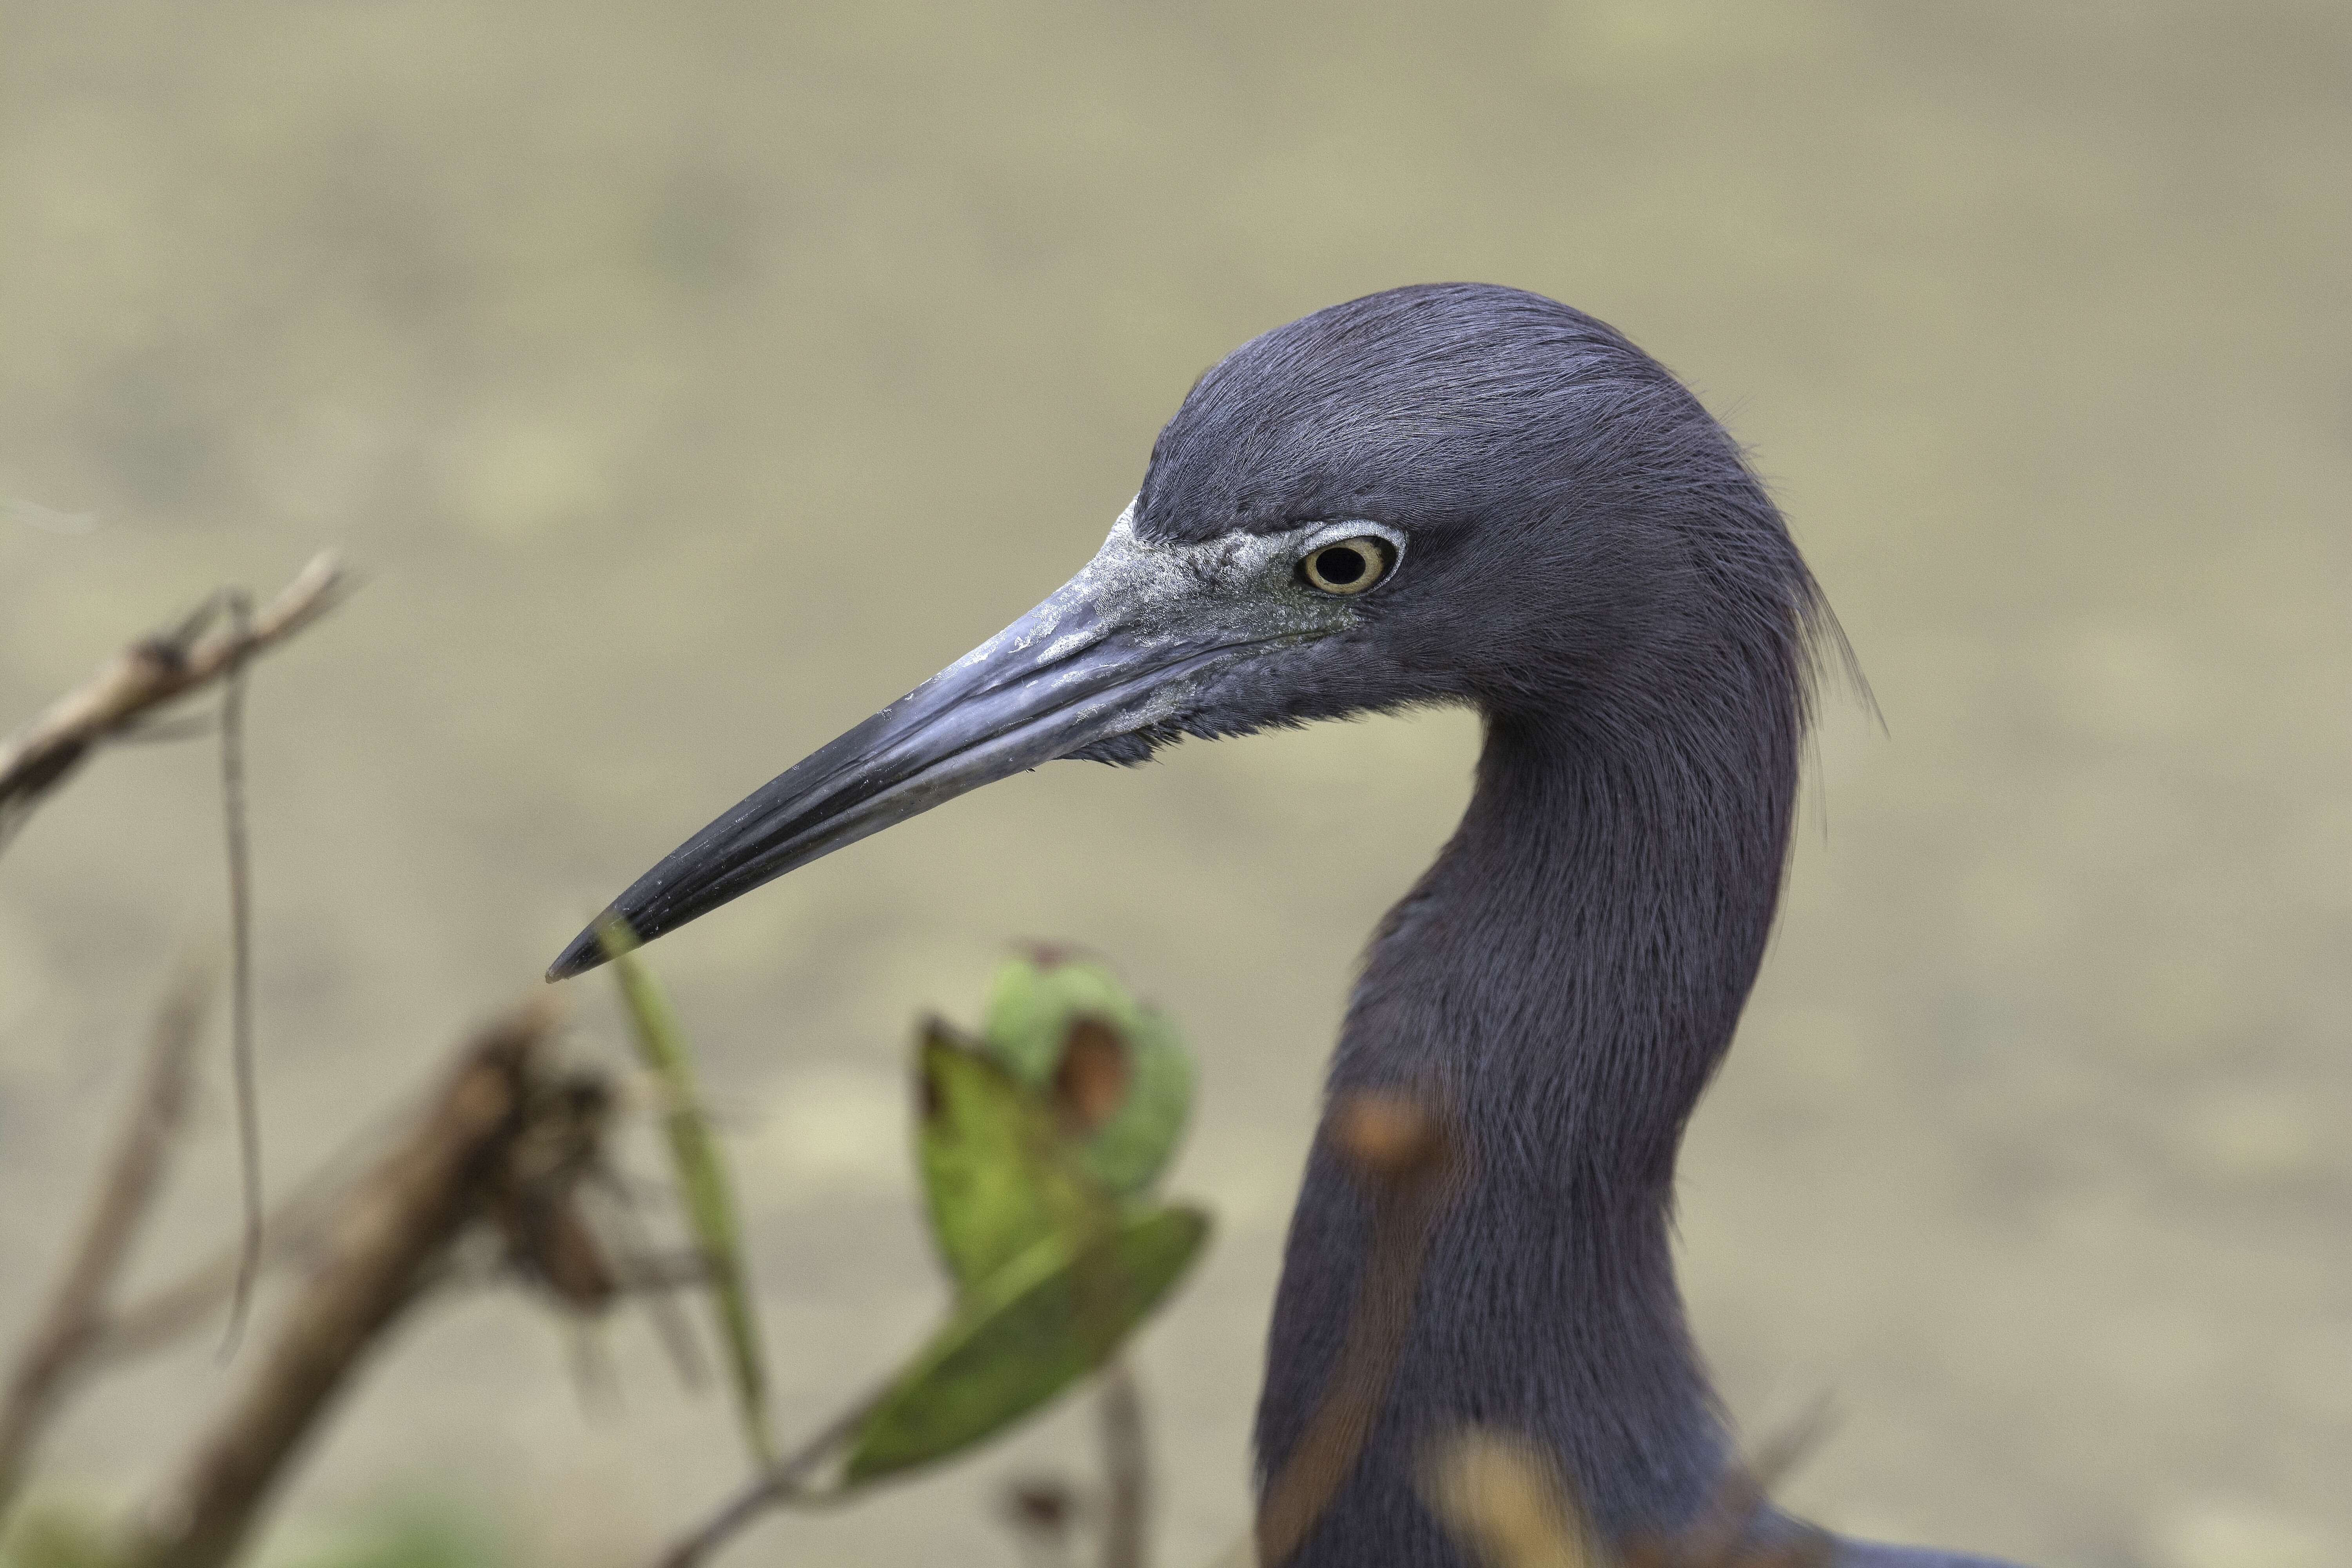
point(1560, 985)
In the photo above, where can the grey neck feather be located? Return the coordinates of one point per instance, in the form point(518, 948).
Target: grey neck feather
point(1562, 981)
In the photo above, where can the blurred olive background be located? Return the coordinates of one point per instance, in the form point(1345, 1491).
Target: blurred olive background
point(689, 379)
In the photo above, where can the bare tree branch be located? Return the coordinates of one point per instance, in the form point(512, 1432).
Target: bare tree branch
point(69, 1328)
point(381, 1252)
point(152, 671)
point(295, 1227)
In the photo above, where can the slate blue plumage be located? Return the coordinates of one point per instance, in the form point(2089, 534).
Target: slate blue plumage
point(1580, 553)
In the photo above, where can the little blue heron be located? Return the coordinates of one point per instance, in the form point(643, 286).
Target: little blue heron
point(1442, 494)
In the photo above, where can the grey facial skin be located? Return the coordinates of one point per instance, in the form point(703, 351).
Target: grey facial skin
point(1112, 662)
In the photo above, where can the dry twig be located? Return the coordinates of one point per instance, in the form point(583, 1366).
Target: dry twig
point(151, 672)
point(240, 925)
point(170, 1312)
point(119, 702)
point(70, 1328)
point(656, 1277)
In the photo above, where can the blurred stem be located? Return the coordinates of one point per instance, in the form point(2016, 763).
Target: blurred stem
point(787, 1481)
point(702, 1180)
point(1127, 1466)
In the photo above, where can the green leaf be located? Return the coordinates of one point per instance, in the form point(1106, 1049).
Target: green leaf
point(995, 1174)
point(701, 1179)
point(1132, 1147)
point(1047, 1017)
point(1023, 1335)
point(1034, 999)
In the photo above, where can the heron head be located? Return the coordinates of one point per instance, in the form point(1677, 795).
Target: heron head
point(1450, 493)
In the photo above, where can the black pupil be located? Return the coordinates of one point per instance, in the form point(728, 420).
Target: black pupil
point(1342, 564)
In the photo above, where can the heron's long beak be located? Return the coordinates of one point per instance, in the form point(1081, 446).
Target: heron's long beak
point(1104, 657)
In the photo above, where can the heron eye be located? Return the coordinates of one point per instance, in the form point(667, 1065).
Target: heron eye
point(1347, 566)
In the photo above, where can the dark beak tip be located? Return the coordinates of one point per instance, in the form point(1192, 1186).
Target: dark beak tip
point(585, 953)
